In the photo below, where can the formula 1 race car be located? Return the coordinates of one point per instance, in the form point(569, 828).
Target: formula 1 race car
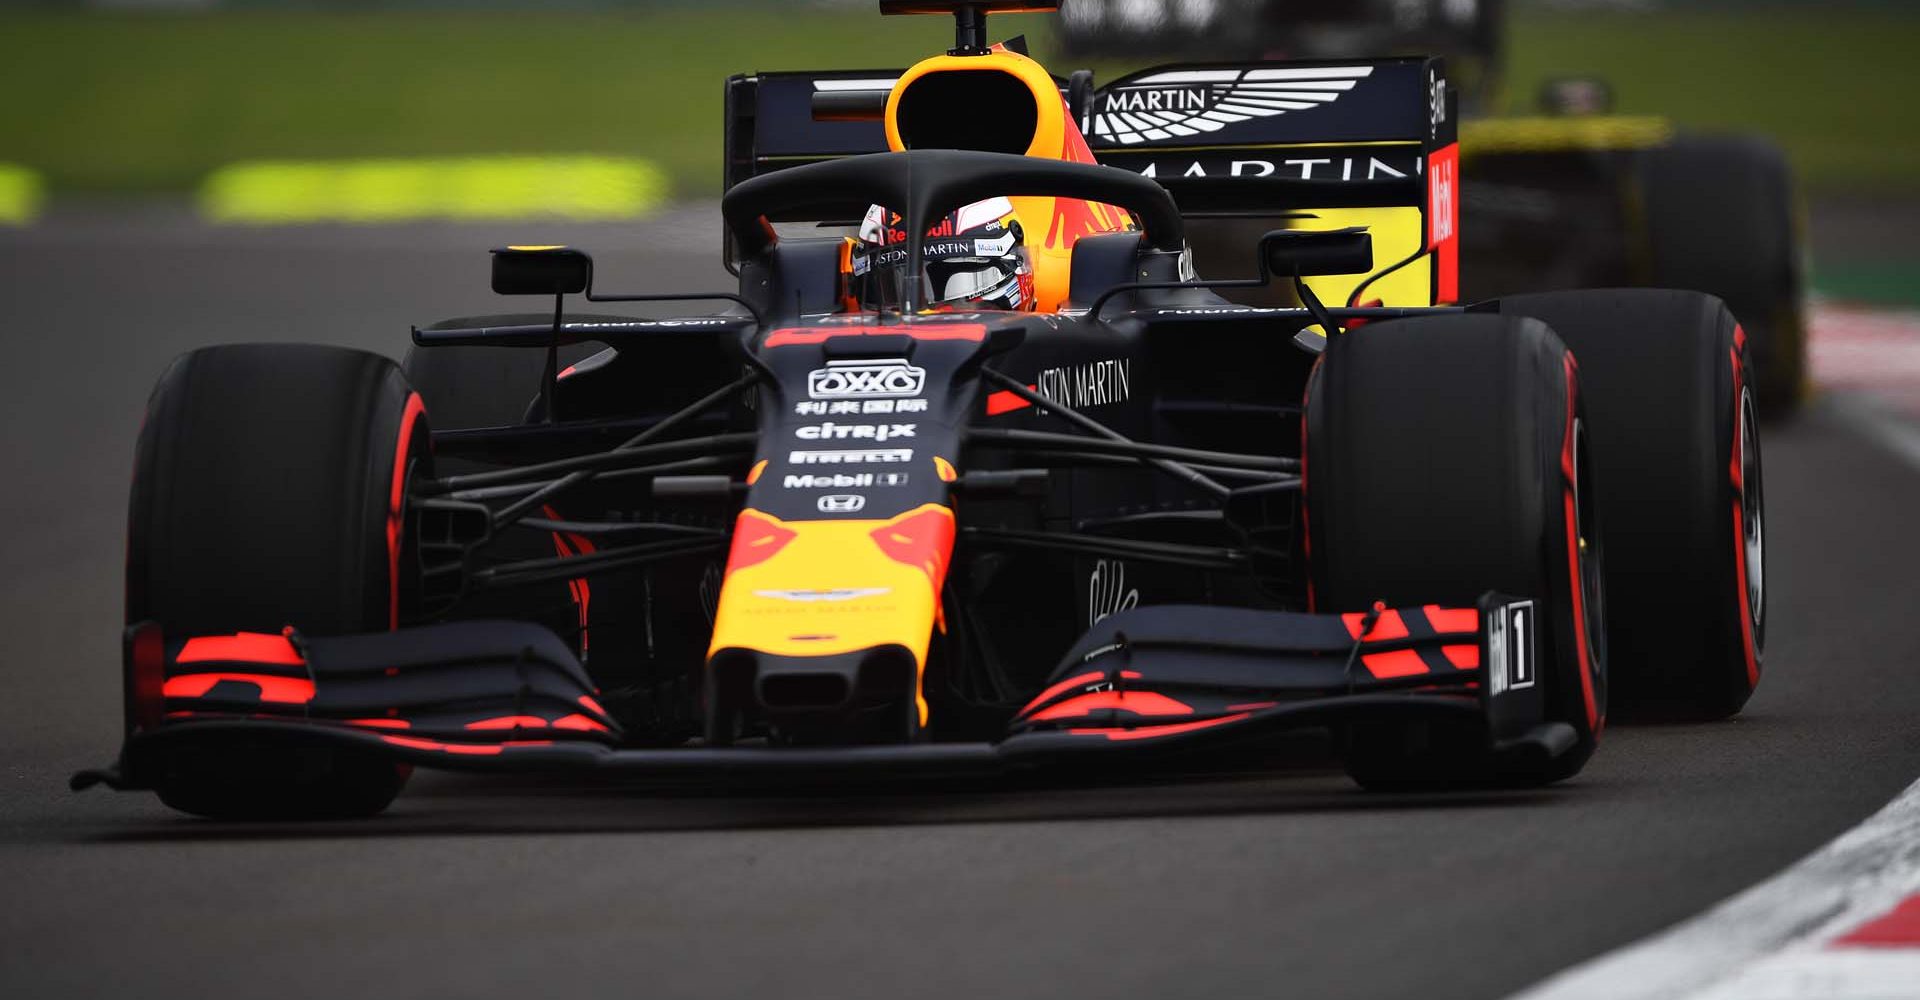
point(1568, 195)
point(992, 482)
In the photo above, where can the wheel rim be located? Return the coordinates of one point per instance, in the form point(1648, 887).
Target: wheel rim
point(1753, 514)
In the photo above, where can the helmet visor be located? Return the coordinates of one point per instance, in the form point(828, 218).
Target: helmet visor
point(970, 279)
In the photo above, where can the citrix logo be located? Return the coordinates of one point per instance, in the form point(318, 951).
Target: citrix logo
point(831, 431)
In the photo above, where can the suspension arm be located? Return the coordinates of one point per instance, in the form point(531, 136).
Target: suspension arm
point(1016, 439)
point(1195, 556)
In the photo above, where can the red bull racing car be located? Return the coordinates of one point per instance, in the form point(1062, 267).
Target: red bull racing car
point(982, 479)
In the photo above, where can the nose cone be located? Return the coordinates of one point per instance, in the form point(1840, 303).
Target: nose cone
point(826, 619)
point(864, 696)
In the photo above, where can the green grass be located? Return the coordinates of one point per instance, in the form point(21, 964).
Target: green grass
point(20, 195)
point(144, 103)
point(1873, 282)
point(155, 102)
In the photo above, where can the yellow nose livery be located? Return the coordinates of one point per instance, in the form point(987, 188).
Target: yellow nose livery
point(818, 588)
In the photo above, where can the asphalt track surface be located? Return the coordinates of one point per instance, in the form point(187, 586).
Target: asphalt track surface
point(1282, 883)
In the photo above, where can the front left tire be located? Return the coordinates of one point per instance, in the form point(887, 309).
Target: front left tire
point(268, 492)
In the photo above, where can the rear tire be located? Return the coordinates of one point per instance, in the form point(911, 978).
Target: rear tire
point(1722, 217)
point(1445, 459)
point(266, 493)
point(1668, 386)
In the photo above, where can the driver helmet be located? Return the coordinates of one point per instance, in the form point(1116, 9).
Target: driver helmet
point(975, 258)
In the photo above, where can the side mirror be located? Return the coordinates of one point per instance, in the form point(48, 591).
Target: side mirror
point(1303, 252)
point(541, 271)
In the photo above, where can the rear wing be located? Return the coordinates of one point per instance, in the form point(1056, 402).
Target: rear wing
point(1277, 136)
point(771, 123)
point(1226, 140)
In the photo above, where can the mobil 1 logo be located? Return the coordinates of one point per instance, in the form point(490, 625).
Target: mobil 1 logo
point(1512, 647)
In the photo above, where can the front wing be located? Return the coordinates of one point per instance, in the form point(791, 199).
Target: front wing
point(508, 696)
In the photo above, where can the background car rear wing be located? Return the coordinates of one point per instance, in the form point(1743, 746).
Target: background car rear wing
point(1226, 140)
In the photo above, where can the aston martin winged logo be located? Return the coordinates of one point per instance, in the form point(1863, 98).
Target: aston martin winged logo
point(1181, 103)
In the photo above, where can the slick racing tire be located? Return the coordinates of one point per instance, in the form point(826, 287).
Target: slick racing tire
point(1676, 444)
point(266, 493)
point(1721, 216)
point(1445, 458)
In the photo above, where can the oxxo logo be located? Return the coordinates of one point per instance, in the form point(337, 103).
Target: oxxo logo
point(841, 503)
point(888, 379)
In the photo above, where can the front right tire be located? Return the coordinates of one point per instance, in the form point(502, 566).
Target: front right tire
point(1447, 456)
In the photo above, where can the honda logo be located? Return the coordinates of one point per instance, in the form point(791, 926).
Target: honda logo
point(841, 503)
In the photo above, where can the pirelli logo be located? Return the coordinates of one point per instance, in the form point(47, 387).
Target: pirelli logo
point(851, 456)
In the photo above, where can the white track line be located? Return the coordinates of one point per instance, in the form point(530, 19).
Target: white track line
point(1872, 359)
point(1779, 940)
point(1873, 352)
point(1770, 941)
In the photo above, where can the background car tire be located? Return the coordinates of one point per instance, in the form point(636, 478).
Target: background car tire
point(263, 497)
point(1722, 216)
point(1676, 444)
point(1442, 453)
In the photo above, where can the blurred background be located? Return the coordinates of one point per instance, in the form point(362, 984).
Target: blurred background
point(265, 111)
point(154, 97)
point(277, 112)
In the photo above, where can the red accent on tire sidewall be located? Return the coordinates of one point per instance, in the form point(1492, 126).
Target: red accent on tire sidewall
point(1737, 477)
point(396, 503)
point(396, 509)
point(1569, 468)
